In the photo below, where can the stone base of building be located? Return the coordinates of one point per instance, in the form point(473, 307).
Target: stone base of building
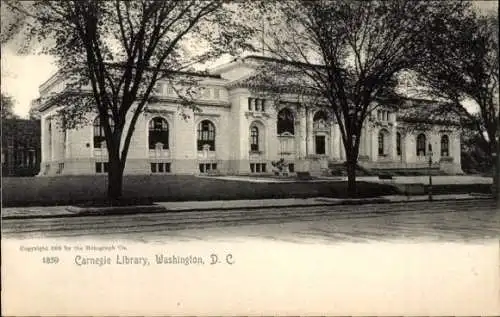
point(314, 166)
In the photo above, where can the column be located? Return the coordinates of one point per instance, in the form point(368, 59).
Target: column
point(456, 150)
point(393, 152)
point(331, 143)
point(309, 122)
point(406, 147)
point(302, 115)
point(43, 141)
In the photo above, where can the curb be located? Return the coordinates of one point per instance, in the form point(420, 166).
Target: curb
point(116, 210)
point(75, 211)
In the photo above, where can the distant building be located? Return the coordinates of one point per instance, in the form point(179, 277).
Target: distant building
point(239, 131)
point(21, 150)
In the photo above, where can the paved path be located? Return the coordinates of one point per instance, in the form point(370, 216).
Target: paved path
point(437, 180)
point(61, 211)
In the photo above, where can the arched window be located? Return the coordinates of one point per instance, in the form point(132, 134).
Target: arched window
point(381, 145)
point(254, 139)
point(158, 133)
point(398, 144)
point(319, 120)
point(286, 121)
point(99, 138)
point(445, 146)
point(421, 144)
point(206, 135)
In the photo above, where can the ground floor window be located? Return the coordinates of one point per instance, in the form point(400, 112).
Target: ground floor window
point(160, 167)
point(60, 168)
point(258, 167)
point(207, 167)
point(101, 167)
point(291, 168)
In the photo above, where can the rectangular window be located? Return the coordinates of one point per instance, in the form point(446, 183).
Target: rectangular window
point(153, 167)
point(252, 167)
point(60, 168)
point(202, 168)
point(214, 166)
point(263, 167)
point(320, 144)
point(98, 167)
point(263, 105)
point(249, 104)
point(291, 168)
point(257, 168)
point(160, 167)
point(167, 167)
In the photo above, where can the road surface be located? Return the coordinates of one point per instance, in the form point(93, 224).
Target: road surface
point(437, 221)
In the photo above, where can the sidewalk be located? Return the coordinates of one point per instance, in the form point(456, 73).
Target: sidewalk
point(63, 211)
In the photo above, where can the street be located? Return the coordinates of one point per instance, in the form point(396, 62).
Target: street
point(423, 221)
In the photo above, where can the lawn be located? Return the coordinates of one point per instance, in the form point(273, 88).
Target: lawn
point(45, 191)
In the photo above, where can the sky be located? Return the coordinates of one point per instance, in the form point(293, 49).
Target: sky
point(21, 75)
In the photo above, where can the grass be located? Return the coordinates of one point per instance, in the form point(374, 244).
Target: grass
point(49, 191)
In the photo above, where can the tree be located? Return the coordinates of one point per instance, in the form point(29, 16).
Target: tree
point(347, 55)
point(7, 105)
point(121, 49)
point(466, 68)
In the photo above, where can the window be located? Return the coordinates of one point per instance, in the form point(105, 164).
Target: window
point(381, 143)
point(158, 133)
point(60, 168)
point(101, 167)
point(258, 167)
point(160, 167)
point(254, 139)
point(291, 168)
point(398, 143)
point(257, 104)
point(206, 135)
point(421, 144)
point(286, 121)
point(320, 144)
point(207, 167)
point(170, 90)
point(445, 146)
point(319, 120)
point(99, 138)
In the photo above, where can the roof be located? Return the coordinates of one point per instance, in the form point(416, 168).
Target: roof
point(427, 111)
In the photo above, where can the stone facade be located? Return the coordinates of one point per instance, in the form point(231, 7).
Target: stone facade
point(238, 131)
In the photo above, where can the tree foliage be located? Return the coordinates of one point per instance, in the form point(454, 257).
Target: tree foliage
point(350, 54)
point(7, 107)
point(112, 54)
point(467, 68)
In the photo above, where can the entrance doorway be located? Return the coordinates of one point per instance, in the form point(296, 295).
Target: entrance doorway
point(320, 144)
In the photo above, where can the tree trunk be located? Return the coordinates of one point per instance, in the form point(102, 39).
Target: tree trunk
point(351, 178)
point(115, 176)
point(115, 181)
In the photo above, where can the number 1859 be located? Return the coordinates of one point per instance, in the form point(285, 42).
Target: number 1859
point(50, 259)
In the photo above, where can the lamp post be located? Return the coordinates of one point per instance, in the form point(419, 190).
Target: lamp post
point(430, 171)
